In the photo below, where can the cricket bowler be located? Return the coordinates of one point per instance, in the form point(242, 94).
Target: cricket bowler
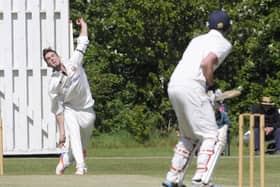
point(72, 103)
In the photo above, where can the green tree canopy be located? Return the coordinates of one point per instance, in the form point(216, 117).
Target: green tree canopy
point(135, 45)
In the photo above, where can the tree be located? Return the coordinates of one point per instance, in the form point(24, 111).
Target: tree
point(136, 44)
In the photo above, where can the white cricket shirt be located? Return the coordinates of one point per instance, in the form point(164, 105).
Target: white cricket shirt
point(71, 90)
point(189, 67)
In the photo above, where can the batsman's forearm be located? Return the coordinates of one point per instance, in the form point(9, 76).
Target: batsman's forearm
point(207, 66)
point(209, 78)
point(208, 72)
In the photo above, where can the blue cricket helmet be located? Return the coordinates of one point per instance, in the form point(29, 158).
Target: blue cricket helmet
point(219, 20)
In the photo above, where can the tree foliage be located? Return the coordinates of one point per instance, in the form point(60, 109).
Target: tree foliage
point(136, 44)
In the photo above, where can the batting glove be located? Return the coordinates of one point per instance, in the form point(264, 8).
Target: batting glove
point(213, 95)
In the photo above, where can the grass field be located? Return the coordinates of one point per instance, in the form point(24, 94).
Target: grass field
point(124, 167)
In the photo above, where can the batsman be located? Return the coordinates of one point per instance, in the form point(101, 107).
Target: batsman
point(192, 78)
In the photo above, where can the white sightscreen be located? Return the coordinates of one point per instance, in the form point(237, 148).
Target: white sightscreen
point(26, 27)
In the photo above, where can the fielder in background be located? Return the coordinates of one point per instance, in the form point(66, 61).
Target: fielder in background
point(187, 91)
point(72, 103)
point(223, 123)
point(272, 123)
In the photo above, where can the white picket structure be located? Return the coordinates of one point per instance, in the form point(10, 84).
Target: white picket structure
point(26, 27)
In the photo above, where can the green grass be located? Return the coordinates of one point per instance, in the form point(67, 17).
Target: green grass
point(125, 140)
point(121, 155)
point(142, 161)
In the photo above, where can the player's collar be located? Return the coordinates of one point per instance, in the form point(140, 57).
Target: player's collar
point(215, 32)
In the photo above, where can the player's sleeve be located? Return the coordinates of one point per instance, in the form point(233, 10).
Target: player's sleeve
point(82, 43)
point(226, 119)
point(275, 119)
point(277, 125)
point(221, 49)
point(55, 97)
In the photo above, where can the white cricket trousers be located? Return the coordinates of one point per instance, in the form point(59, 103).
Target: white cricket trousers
point(196, 119)
point(196, 116)
point(78, 127)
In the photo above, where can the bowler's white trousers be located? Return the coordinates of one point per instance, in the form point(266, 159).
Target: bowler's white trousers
point(196, 120)
point(78, 127)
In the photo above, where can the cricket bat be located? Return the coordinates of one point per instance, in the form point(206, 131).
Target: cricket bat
point(229, 94)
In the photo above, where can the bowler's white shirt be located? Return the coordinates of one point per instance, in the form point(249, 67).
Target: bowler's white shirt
point(189, 67)
point(71, 90)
